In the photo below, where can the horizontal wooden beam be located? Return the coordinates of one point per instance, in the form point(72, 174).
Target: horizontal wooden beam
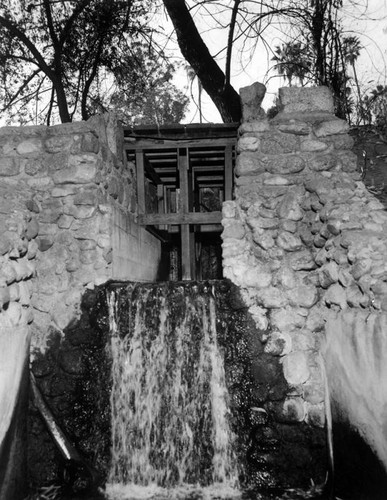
point(205, 168)
point(149, 144)
point(209, 178)
point(188, 218)
point(203, 228)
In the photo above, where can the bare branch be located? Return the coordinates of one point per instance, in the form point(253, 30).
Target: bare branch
point(20, 89)
point(230, 41)
point(50, 24)
point(23, 38)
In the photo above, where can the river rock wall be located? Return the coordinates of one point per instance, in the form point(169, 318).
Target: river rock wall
point(77, 198)
point(17, 268)
point(306, 243)
point(68, 223)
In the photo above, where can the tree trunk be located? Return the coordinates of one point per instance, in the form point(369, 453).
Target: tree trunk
point(195, 51)
point(358, 94)
point(61, 101)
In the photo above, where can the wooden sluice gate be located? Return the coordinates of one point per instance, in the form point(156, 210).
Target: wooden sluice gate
point(184, 173)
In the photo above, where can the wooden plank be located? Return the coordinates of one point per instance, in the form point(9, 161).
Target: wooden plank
point(151, 172)
point(208, 178)
point(161, 203)
point(210, 169)
point(159, 234)
point(192, 253)
point(186, 258)
point(202, 228)
point(183, 179)
point(188, 129)
point(186, 268)
point(180, 218)
point(228, 173)
point(140, 181)
point(207, 143)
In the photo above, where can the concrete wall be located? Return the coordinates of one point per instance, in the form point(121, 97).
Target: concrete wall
point(307, 244)
point(136, 254)
point(70, 184)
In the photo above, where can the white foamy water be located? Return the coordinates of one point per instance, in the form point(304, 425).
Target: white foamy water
point(183, 492)
point(170, 432)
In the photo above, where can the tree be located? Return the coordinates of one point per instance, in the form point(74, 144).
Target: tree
point(315, 24)
point(375, 107)
point(156, 101)
point(351, 47)
point(195, 51)
point(192, 77)
point(68, 57)
point(292, 60)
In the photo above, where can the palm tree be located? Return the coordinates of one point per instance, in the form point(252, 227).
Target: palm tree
point(376, 104)
point(351, 47)
point(292, 61)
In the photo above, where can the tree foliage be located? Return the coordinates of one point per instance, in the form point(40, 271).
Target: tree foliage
point(296, 60)
point(69, 57)
point(375, 107)
point(311, 30)
point(156, 100)
point(292, 60)
point(197, 54)
point(328, 50)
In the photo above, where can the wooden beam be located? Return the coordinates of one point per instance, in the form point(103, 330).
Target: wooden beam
point(174, 131)
point(228, 173)
point(212, 168)
point(153, 144)
point(186, 269)
point(151, 172)
point(140, 181)
point(159, 234)
point(208, 178)
point(180, 218)
point(161, 203)
point(202, 228)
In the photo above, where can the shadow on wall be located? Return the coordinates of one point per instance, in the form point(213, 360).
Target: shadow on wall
point(356, 346)
point(14, 351)
point(359, 474)
point(73, 376)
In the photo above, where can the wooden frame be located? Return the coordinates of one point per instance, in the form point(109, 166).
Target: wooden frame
point(187, 174)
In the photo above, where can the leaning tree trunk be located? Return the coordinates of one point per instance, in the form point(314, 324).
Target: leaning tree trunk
point(195, 51)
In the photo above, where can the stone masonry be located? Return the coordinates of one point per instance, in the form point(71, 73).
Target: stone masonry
point(307, 244)
point(68, 221)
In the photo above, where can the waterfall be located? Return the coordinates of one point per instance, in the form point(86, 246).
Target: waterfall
point(169, 401)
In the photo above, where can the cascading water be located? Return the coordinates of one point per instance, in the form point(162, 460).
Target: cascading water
point(170, 417)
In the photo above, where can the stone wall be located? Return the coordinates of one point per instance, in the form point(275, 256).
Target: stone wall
point(17, 267)
point(79, 200)
point(306, 243)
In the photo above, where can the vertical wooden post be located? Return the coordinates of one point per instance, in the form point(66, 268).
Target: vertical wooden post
point(228, 173)
point(191, 228)
point(186, 268)
point(140, 181)
point(161, 202)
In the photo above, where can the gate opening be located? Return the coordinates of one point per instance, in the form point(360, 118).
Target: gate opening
point(184, 173)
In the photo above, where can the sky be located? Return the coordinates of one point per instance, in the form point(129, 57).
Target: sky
point(371, 28)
